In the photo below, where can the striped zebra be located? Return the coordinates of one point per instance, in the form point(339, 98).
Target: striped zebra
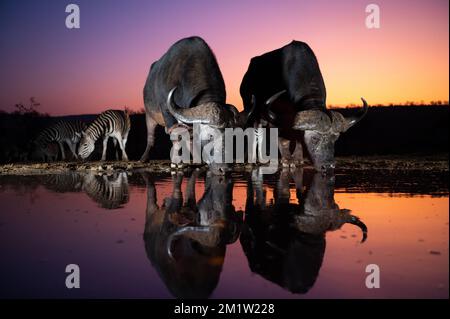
point(111, 123)
point(63, 182)
point(109, 192)
point(48, 153)
point(68, 132)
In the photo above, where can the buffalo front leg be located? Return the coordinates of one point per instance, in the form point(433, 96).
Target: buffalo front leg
point(258, 186)
point(259, 142)
point(283, 146)
point(297, 175)
point(282, 192)
point(190, 189)
point(298, 153)
point(151, 125)
point(152, 206)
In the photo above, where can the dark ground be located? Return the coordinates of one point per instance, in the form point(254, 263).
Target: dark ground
point(396, 130)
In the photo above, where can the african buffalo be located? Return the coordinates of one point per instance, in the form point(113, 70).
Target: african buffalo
point(186, 240)
point(285, 242)
point(289, 92)
point(184, 87)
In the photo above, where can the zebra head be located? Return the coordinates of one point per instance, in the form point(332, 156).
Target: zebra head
point(87, 145)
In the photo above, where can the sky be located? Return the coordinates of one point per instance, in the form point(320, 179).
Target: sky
point(104, 63)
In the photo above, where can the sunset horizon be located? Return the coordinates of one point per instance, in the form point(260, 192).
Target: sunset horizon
point(248, 155)
point(104, 64)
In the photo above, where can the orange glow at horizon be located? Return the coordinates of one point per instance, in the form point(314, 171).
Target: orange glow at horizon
point(105, 63)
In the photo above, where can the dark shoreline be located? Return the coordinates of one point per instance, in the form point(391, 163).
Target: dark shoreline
point(436, 163)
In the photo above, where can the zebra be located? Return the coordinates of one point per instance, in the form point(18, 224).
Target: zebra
point(47, 153)
point(109, 192)
point(63, 182)
point(110, 123)
point(63, 131)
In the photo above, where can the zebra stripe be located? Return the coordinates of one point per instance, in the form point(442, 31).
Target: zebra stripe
point(111, 123)
point(63, 131)
point(109, 192)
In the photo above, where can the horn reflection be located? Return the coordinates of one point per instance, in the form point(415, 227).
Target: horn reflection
point(284, 241)
point(186, 239)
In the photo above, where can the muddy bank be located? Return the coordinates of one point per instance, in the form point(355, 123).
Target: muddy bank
point(401, 163)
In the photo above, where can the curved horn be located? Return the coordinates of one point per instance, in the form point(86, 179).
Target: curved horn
point(243, 117)
point(179, 113)
point(352, 120)
point(357, 222)
point(269, 102)
point(205, 113)
point(204, 229)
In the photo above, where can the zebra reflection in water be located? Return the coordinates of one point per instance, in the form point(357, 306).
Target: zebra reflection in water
point(109, 191)
point(64, 182)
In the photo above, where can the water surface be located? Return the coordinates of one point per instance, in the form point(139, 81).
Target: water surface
point(295, 234)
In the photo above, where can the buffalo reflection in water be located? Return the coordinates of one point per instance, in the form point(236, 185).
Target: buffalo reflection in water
point(186, 240)
point(285, 242)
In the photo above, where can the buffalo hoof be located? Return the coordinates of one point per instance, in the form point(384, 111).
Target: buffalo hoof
point(285, 164)
point(176, 166)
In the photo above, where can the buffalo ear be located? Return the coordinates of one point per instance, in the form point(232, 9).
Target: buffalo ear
point(340, 123)
point(312, 120)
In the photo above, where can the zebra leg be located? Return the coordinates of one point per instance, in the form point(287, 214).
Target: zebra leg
point(151, 125)
point(298, 154)
point(122, 147)
point(72, 148)
point(124, 142)
point(115, 147)
point(105, 145)
point(61, 147)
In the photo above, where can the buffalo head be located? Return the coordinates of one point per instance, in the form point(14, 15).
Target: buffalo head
point(213, 118)
point(321, 130)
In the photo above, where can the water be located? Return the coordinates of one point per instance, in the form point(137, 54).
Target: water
point(291, 235)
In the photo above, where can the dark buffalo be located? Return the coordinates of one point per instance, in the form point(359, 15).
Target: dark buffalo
point(290, 94)
point(185, 86)
point(284, 241)
point(186, 240)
